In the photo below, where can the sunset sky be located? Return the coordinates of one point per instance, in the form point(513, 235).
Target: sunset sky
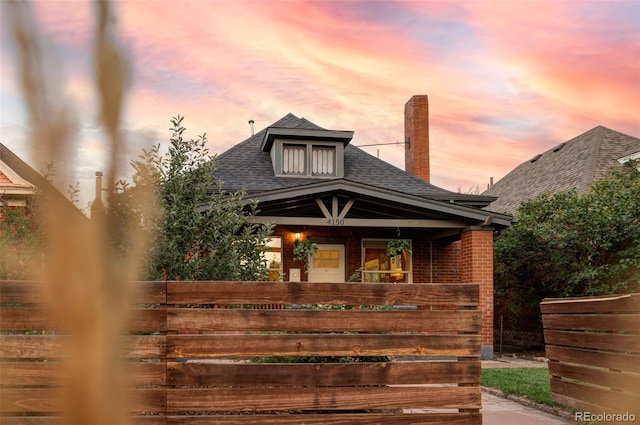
point(506, 79)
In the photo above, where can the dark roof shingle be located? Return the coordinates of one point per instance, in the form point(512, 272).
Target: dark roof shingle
point(246, 166)
point(576, 163)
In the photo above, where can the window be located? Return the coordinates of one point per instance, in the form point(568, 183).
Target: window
point(273, 257)
point(306, 159)
point(326, 259)
point(323, 161)
point(377, 267)
point(294, 159)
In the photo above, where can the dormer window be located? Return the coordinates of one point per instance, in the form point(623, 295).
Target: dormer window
point(306, 153)
point(294, 159)
point(306, 159)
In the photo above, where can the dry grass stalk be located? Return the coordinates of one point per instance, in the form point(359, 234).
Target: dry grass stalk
point(86, 285)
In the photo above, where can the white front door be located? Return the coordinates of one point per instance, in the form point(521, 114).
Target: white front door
point(327, 264)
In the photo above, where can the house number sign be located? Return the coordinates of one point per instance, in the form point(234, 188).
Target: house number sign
point(335, 222)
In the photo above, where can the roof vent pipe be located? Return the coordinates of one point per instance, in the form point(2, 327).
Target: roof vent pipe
point(251, 126)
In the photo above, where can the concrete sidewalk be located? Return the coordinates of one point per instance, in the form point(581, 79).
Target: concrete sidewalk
point(501, 411)
point(498, 410)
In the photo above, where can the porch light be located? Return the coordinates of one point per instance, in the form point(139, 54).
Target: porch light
point(297, 236)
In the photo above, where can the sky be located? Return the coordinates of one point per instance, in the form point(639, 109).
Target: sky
point(506, 79)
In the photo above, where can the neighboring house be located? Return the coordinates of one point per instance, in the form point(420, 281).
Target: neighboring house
point(15, 191)
point(313, 184)
point(574, 164)
point(19, 183)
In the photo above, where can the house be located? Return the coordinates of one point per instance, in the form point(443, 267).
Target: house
point(314, 185)
point(15, 191)
point(19, 183)
point(574, 164)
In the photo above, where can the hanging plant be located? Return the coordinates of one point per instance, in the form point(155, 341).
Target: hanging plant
point(303, 250)
point(396, 247)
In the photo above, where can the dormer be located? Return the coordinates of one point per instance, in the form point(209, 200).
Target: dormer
point(309, 153)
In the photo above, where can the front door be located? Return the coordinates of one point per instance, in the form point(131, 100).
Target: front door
point(327, 264)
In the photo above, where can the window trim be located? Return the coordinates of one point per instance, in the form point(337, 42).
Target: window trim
point(276, 249)
point(277, 158)
point(408, 272)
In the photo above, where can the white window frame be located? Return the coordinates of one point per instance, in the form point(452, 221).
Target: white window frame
point(335, 169)
point(274, 248)
point(381, 275)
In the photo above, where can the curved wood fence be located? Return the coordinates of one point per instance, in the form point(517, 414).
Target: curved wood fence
point(194, 345)
point(593, 346)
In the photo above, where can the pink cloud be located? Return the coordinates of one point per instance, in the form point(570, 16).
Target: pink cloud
point(506, 80)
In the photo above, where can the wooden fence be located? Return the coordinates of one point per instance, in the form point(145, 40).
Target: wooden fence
point(195, 344)
point(593, 346)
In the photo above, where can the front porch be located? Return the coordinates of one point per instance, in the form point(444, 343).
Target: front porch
point(447, 243)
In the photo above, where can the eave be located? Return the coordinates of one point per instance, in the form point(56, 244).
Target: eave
point(450, 215)
point(272, 133)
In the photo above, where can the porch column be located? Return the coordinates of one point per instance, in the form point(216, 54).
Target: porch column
point(476, 266)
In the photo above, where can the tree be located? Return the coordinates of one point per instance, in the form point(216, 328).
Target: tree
point(567, 244)
point(201, 231)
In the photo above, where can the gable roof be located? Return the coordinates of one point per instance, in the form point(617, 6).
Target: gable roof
point(246, 166)
point(27, 174)
point(576, 163)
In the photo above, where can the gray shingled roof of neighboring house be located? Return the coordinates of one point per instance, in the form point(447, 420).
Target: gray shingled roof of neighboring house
point(574, 164)
point(246, 166)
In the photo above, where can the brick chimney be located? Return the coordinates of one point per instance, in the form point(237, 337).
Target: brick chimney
point(416, 137)
point(97, 207)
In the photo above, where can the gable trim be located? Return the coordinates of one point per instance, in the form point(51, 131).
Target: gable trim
point(385, 194)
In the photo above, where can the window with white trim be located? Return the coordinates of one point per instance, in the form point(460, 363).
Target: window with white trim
point(323, 160)
point(377, 267)
point(306, 159)
point(294, 158)
point(273, 258)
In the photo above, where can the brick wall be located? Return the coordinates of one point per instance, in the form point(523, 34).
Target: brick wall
point(476, 263)
point(416, 133)
point(446, 262)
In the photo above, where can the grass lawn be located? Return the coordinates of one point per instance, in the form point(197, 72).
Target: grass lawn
point(529, 382)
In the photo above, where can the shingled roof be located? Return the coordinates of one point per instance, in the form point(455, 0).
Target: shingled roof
point(574, 164)
point(246, 166)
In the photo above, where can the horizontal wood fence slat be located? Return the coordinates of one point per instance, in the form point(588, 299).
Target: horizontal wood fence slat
point(593, 346)
point(322, 398)
point(586, 322)
point(321, 293)
point(42, 319)
point(207, 373)
point(298, 320)
point(468, 418)
point(54, 346)
point(604, 359)
point(52, 373)
point(46, 400)
point(204, 346)
point(335, 419)
point(212, 353)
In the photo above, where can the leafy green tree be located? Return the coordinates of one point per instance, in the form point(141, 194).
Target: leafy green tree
point(202, 232)
point(567, 244)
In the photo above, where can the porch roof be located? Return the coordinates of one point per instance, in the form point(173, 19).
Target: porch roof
point(346, 203)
